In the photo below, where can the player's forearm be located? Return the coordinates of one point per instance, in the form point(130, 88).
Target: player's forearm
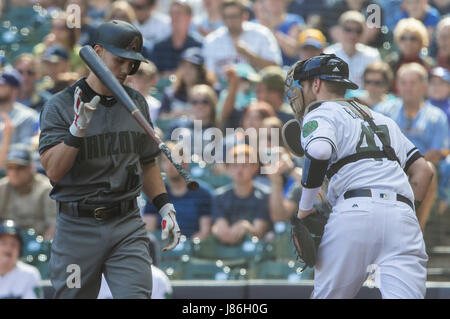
point(420, 175)
point(58, 160)
point(153, 184)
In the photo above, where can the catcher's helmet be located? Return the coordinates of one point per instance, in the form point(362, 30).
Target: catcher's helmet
point(326, 67)
point(9, 227)
point(122, 39)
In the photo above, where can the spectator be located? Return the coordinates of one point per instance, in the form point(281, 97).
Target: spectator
point(153, 25)
point(243, 207)
point(378, 79)
point(311, 43)
point(211, 20)
point(421, 10)
point(240, 92)
point(20, 121)
point(422, 123)
point(285, 26)
point(167, 53)
point(65, 36)
point(443, 43)
point(357, 55)
point(370, 35)
point(443, 6)
point(55, 62)
point(410, 36)
point(98, 10)
point(203, 101)
point(439, 90)
point(271, 90)
point(87, 22)
point(191, 71)
point(239, 41)
point(196, 217)
point(121, 10)
point(161, 286)
point(27, 65)
point(144, 82)
point(17, 279)
point(24, 195)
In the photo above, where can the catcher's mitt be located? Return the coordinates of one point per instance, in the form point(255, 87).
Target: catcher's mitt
point(306, 235)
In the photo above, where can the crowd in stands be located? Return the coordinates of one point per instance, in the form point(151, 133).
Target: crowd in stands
point(223, 63)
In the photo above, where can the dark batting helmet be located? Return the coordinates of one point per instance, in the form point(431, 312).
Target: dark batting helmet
point(122, 39)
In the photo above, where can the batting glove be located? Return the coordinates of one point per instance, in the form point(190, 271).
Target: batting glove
point(83, 113)
point(169, 226)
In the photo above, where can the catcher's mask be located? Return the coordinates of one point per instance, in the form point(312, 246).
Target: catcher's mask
point(326, 67)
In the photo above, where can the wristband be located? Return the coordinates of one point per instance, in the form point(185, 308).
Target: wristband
point(73, 141)
point(161, 200)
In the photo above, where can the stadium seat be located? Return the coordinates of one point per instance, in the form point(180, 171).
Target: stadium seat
point(280, 270)
point(197, 269)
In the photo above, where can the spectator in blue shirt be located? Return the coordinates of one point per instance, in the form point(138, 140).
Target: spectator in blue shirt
point(167, 54)
point(422, 123)
point(243, 207)
point(285, 26)
point(421, 10)
point(439, 90)
point(195, 220)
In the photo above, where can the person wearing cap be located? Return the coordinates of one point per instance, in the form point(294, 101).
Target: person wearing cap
point(240, 92)
point(24, 194)
point(311, 42)
point(167, 53)
point(373, 182)
point(357, 55)
point(17, 279)
point(190, 72)
point(17, 122)
point(271, 90)
point(439, 89)
point(55, 61)
point(99, 159)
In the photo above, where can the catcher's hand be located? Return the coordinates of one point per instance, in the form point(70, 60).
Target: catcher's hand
point(83, 113)
point(306, 235)
point(169, 226)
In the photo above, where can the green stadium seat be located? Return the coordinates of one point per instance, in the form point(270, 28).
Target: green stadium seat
point(197, 269)
point(173, 269)
point(279, 270)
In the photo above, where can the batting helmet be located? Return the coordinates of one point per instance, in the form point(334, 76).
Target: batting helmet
point(9, 227)
point(122, 39)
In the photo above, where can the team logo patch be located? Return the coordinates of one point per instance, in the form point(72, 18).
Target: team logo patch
point(309, 127)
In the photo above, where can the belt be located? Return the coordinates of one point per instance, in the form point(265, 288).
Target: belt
point(99, 212)
point(368, 193)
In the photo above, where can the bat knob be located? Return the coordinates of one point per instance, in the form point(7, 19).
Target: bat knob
point(193, 185)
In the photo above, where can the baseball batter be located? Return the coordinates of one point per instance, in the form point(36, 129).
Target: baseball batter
point(98, 159)
point(375, 173)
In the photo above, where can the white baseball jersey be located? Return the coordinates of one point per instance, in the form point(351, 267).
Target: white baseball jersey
point(349, 134)
point(23, 282)
point(161, 287)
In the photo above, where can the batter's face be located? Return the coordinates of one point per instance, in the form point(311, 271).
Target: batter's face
point(118, 66)
point(9, 251)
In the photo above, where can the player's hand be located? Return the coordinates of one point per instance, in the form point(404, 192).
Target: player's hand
point(83, 113)
point(169, 227)
point(303, 213)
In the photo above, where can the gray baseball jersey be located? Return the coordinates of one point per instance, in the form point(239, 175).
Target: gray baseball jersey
point(107, 167)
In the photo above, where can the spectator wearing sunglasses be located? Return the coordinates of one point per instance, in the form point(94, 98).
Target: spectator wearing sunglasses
point(27, 65)
point(410, 36)
point(357, 55)
point(377, 79)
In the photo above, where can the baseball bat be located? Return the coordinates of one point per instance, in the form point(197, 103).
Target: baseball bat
point(93, 61)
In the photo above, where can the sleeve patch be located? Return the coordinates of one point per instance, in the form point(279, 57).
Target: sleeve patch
point(309, 127)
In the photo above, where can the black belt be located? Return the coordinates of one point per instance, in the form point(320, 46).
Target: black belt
point(99, 212)
point(368, 193)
